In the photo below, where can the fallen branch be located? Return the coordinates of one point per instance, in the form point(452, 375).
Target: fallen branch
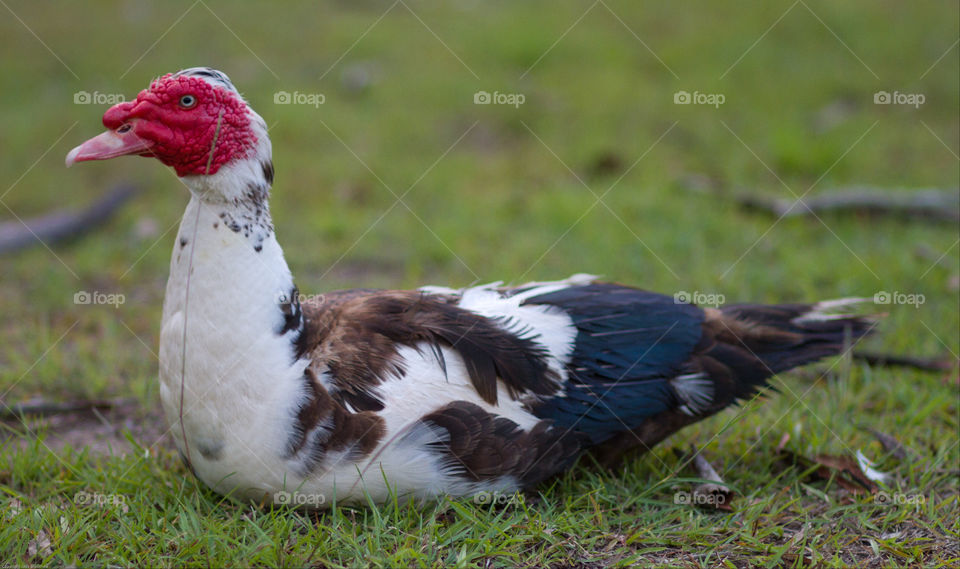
point(940, 205)
point(886, 360)
point(42, 407)
point(60, 225)
point(714, 493)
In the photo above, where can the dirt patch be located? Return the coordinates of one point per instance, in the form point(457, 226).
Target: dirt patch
point(104, 428)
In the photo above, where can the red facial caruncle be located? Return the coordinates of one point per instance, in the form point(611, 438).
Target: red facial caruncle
point(175, 120)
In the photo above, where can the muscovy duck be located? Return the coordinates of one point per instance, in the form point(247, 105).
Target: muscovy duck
point(358, 394)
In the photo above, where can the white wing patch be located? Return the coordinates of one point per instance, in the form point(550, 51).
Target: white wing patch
point(405, 452)
point(547, 326)
point(426, 387)
point(826, 310)
point(695, 390)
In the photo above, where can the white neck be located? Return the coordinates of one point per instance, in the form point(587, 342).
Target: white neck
point(224, 353)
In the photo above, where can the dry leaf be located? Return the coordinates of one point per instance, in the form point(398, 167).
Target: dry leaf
point(39, 547)
point(14, 507)
point(783, 442)
point(890, 444)
point(843, 470)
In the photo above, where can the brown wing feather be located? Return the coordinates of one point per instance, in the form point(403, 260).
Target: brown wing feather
point(481, 446)
point(354, 335)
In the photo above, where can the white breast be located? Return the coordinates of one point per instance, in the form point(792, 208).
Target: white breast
point(239, 373)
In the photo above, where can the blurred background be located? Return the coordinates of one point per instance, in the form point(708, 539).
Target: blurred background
point(466, 142)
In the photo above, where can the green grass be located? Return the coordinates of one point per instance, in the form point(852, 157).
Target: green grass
point(514, 199)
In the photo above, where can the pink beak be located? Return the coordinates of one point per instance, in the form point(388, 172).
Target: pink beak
point(110, 144)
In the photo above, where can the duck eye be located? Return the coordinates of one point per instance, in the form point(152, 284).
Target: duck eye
point(188, 101)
